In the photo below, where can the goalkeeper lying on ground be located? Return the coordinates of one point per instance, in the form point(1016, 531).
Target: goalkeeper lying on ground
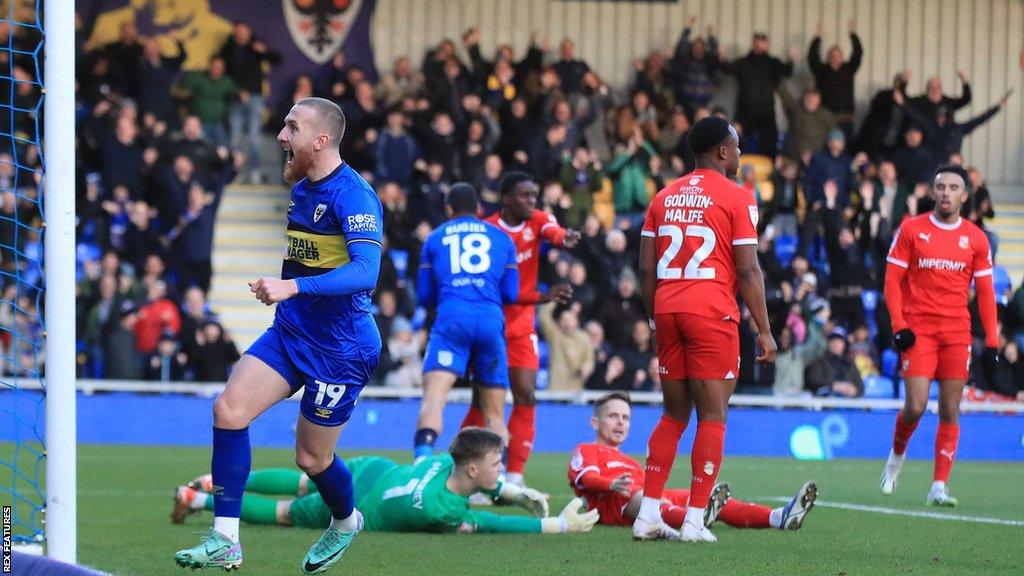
point(431, 496)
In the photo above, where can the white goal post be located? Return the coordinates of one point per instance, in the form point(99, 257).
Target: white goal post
point(59, 270)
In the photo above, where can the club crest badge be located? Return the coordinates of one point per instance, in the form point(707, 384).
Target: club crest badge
point(320, 27)
point(964, 242)
point(319, 212)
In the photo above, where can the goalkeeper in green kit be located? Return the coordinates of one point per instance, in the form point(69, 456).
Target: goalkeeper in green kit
point(431, 496)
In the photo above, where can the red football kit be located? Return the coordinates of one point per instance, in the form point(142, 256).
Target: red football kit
point(593, 468)
point(519, 318)
point(927, 287)
point(695, 222)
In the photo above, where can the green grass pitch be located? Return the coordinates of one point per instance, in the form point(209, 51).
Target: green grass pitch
point(125, 501)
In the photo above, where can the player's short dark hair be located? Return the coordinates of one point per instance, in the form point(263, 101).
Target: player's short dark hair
point(513, 179)
point(708, 134)
point(473, 444)
point(600, 402)
point(329, 117)
point(954, 169)
point(462, 199)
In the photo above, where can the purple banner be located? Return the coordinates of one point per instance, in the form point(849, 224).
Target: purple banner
point(306, 33)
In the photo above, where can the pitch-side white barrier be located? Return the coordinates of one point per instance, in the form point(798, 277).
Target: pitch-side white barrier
point(211, 389)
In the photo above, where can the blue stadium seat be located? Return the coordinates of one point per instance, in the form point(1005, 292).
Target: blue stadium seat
point(542, 353)
point(878, 387)
point(933, 391)
point(543, 379)
point(890, 363)
point(401, 260)
point(869, 298)
point(1001, 279)
point(785, 249)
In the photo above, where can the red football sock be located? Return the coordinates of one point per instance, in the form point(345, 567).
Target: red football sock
point(740, 514)
point(901, 437)
point(673, 515)
point(522, 428)
point(474, 418)
point(946, 440)
point(661, 454)
point(705, 460)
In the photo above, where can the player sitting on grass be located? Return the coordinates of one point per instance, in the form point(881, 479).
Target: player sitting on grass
point(431, 496)
point(612, 483)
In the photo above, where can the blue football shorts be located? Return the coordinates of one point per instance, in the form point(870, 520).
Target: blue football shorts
point(474, 341)
point(332, 384)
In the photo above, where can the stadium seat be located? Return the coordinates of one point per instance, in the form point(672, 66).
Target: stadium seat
point(890, 362)
point(878, 387)
point(604, 204)
point(785, 249)
point(542, 353)
point(870, 300)
point(767, 189)
point(1001, 279)
point(762, 165)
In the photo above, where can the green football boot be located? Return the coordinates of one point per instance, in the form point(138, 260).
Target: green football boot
point(214, 551)
point(329, 548)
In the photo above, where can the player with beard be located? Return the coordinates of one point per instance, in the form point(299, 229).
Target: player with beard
point(324, 339)
point(931, 264)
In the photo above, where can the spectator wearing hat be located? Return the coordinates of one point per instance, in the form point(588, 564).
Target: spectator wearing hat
point(758, 75)
point(122, 360)
point(830, 164)
point(168, 362)
point(834, 373)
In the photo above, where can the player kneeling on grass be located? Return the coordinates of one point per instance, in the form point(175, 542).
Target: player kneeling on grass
point(612, 483)
point(430, 496)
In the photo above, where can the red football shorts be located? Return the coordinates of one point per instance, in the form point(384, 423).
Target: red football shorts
point(691, 346)
point(936, 355)
point(522, 352)
point(612, 506)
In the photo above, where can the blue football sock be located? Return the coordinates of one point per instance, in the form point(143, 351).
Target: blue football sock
point(423, 443)
point(232, 458)
point(335, 486)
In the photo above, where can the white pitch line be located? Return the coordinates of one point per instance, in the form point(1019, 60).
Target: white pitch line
point(911, 513)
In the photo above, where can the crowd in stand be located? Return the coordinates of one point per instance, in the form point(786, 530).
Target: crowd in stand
point(157, 148)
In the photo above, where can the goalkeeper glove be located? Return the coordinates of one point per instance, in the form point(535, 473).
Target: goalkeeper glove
point(904, 339)
point(990, 363)
point(533, 501)
point(570, 520)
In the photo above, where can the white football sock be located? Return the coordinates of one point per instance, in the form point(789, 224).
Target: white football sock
point(514, 478)
point(695, 516)
point(938, 486)
point(226, 526)
point(349, 524)
point(199, 501)
point(650, 510)
point(775, 519)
